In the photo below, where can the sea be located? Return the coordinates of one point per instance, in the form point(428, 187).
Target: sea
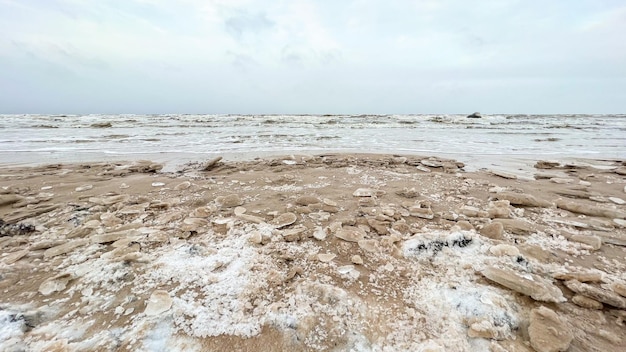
point(503, 141)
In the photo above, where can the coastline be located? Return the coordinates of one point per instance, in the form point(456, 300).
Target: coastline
point(310, 252)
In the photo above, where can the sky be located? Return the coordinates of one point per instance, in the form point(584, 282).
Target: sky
point(312, 57)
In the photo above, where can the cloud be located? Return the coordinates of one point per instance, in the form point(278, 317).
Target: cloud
point(244, 23)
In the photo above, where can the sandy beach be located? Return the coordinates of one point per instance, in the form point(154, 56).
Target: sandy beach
point(333, 252)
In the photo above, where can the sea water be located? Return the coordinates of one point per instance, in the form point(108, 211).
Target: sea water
point(179, 138)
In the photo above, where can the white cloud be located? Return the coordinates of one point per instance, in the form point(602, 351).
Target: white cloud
point(335, 56)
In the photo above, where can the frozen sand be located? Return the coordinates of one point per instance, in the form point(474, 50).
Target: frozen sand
point(126, 257)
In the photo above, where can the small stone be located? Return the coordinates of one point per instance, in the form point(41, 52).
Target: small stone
point(327, 257)
point(364, 192)
point(499, 209)
point(307, 200)
point(504, 249)
point(620, 222)
point(530, 285)
point(619, 288)
point(504, 174)
point(548, 332)
point(494, 230)
point(594, 242)
point(294, 234)
point(83, 188)
point(15, 256)
point(211, 164)
point(379, 226)
point(255, 238)
point(579, 276)
point(431, 163)
point(159, 302)
point(473, 212)
point(239, 211)
point(618, 201)
point(319, 234)
point(230, 201)
point(158, 184)
point(590, 209)
point(368, 245)
point(465, 225)
point(516, 226)
point(419, 212)
point(599, 294)
point(54, 284)
point(182, 186)
point(561, 181)
point(356, 259)
point(124, 186)
point(586, 302)
point(350, 234)
point(283, 220)
point(64, 248)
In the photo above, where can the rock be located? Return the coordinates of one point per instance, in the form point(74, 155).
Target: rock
point(319, 234)
point(431, 163)
point(620, 222)
point(194, 224)
point(523, 199)
point(350, 234)
point(548, 332)
point(229, 201)
point(516, 226)
point(8, 199)
point(536, 287)
point(159, 302)
point(83, 188)
point(408, 193)
point(504, 249)
point(561, 181)
point(255, 237)
point(293, 234)
point(473, 212)
point(592, 210)
point(251, 218)
point(586, 302)
point(307, 200)
point(475, 115)
point(356, 259)
point(494, 230)
point(419, 212)
point(618, 201)
point(594, 241)
point(503, 174)
point(211, 164)
point(599, 294)
point(54, 284)
point(619, 288)
point(543, 164)
point(109, 237)
point(64, 248)
point(15, 256)
point(349, 271)
point(499, 209)
point(580, 276)
point(465, 225)
point(379, 226)
point(327, 257)
point(182, 186)
point(369, 245)
point(364, 192)
point(158, 184)
point(283, 220)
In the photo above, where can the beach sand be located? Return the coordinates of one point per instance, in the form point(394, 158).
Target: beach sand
point(331, 252)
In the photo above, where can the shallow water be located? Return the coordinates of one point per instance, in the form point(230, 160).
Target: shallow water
point(35, 139)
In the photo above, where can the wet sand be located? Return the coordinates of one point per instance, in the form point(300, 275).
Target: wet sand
point(327, 252)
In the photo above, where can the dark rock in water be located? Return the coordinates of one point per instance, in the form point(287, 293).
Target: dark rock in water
point(475, 115)
point(101, 125)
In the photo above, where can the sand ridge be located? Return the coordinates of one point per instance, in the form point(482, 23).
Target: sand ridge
point(327, 252)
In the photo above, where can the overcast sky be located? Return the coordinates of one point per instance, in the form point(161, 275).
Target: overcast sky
point(304, 56)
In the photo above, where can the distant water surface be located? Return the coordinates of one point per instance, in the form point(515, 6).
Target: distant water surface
point(36, 139)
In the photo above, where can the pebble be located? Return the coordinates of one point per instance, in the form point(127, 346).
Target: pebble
point(255, 237)
point(561, 181)
point(350, 234)
point(504, 174)
point(586, 302)
point(356, 259)
point(54, 284)
point(419, 212)
point(349, 270)
point(364, 192)
point(327, 257)
point(548, 332)
point(83, 188)
point(368, 245)
point(494, 230)
point(619, 288)
point(618, 201)
point(307, 200)
point(594, 242)
point(230, 201)
point(465, 225)
point(182, 186)
point(319, 234)
point(283, 220)
point(599, 294)
point(159, 302)
point(504, 249)
point(536, 287)
point(158, 184)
